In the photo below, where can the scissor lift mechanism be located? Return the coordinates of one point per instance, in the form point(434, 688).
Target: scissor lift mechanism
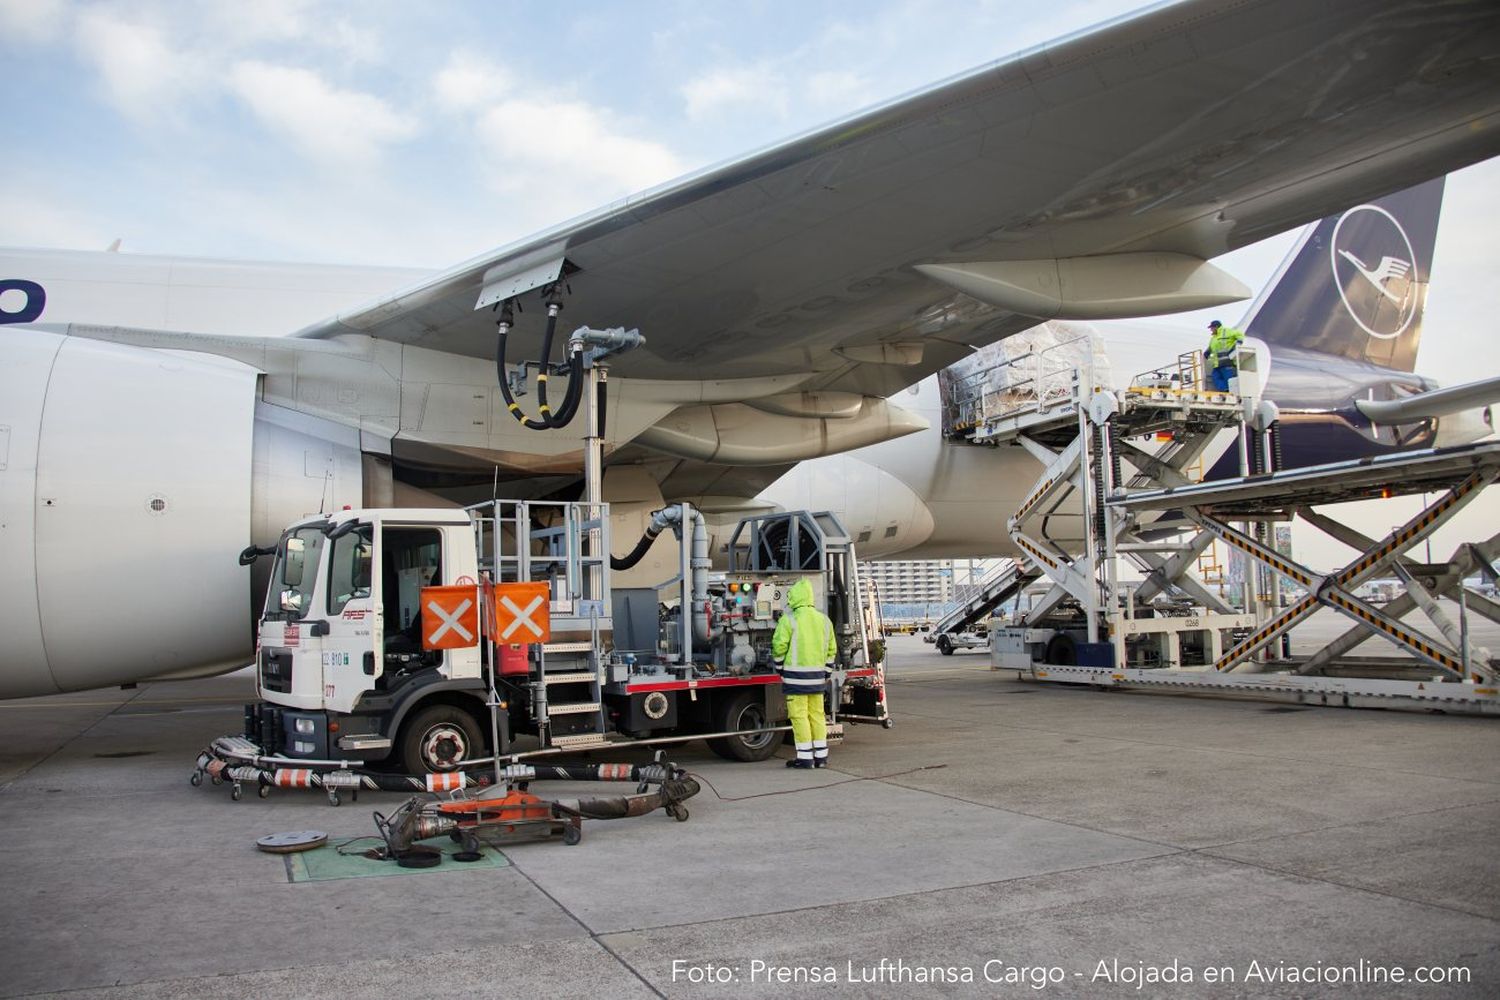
point(1456, 475)
point(1087, 511)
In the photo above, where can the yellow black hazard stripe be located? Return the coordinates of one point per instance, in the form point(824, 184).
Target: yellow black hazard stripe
point(1036, 553)
point(1406, 535)
point(1261, 553)
point(1409, 639)
point(1291, 616)
point(1031, 502)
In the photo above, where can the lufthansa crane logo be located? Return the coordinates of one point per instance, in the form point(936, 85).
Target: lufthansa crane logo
point(1375, 270)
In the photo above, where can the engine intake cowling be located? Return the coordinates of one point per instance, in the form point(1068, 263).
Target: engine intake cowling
point(125, 496)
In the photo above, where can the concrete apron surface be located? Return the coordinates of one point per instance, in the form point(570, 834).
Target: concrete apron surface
point(1037, 840)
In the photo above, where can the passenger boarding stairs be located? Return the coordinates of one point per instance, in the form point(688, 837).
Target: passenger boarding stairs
point(1008, 580)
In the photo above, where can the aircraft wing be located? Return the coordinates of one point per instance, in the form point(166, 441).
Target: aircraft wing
point(1084, 178)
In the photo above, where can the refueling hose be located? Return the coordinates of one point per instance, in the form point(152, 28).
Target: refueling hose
point(666, 796)
point(547, 419)
point(553, 308)
point(659, 523)
point(635, 555)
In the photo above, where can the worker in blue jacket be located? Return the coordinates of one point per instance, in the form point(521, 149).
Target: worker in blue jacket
point(805, 651)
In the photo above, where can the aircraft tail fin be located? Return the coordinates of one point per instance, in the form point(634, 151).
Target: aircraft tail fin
point(1355, 284)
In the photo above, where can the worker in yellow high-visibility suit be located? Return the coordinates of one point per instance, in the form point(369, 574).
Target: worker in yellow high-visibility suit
point(804, 650)
point(1223, 342)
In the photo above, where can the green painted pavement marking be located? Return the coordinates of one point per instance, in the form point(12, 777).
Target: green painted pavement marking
point(326, 864)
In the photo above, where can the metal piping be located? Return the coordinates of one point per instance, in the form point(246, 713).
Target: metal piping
point(696, 602)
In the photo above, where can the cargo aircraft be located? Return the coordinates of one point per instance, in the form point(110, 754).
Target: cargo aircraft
point(159, 415)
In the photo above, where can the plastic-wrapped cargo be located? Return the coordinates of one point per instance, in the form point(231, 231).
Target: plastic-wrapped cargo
point(1031, 368)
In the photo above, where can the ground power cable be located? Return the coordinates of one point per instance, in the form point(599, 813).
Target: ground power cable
point(810, 788)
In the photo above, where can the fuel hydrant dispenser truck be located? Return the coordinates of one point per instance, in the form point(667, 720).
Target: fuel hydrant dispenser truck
point(389, 633)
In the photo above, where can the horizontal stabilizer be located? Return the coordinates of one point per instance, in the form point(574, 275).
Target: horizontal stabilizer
point(1436, 403)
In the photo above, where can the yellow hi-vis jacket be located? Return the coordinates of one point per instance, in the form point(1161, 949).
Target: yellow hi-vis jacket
point(1222, 344)
point(803, 646)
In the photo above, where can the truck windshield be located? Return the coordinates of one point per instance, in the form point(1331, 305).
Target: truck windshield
point(295, 573)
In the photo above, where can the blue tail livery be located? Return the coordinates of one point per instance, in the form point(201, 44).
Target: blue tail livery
point(1355, 285)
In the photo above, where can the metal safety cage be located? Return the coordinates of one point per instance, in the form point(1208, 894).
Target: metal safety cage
point(562, 543)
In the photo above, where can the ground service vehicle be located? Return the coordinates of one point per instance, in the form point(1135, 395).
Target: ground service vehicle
point(346, 670)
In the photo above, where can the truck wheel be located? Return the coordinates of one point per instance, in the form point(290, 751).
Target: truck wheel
point(743, 711)
point(945, 644)
point(1062, 651)
point(437, 737)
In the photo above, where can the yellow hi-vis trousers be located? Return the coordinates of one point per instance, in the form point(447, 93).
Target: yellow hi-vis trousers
point(809, 727)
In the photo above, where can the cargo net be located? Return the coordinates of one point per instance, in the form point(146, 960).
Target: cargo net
point(1027, 372)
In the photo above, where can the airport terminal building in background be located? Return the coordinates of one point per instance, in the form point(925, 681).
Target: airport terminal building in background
point(922, 588)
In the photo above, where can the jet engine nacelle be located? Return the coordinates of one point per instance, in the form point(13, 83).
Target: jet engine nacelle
point(883, 514)
point(125, 496)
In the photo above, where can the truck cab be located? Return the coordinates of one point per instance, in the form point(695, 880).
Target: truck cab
point(340, 663)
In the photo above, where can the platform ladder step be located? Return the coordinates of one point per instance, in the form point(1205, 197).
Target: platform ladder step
point(582, 741)
point(572, 708)
point(581, 716)
point(572, 677)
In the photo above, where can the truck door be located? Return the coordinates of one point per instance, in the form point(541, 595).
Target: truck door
point(374, 639)
point(350, 648)
point(410, 558)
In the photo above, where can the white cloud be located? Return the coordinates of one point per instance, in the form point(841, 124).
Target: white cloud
point(468, 82)
point(33, 217)
point(571, 151)
point(335, 126)
point(304, 22)
point(735, 88)
point(265, 20)
point(143, 75)
point(32, 20)
point(550, 155)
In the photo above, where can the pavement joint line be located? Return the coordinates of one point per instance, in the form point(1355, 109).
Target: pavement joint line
point(1211, 750)
point(1175, 853)
point(1206, 852)
point(1233, 751)
point(905, 895)
point(121, 983)
point(1170, 848)
point(1303, 876)
point(597, 939)
point(1352, 823)
point(5, 786)
point(516, 867)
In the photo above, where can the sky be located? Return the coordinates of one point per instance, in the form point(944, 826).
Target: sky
point(398, 133)
point(393, 133)
point(422, 134)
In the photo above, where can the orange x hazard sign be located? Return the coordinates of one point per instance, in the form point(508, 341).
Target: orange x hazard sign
point(522, 612)
point(450, 617)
